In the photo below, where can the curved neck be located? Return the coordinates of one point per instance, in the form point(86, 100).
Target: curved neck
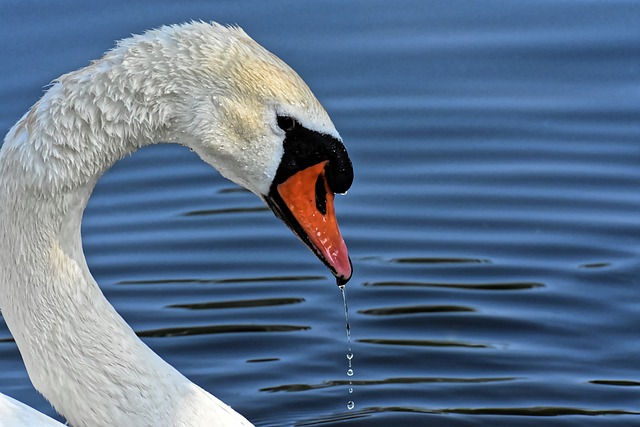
point(79, 353)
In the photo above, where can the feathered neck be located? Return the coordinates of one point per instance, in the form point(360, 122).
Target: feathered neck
point(80, 354)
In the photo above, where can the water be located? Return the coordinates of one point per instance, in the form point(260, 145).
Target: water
point(494, 221)
point(350, 404)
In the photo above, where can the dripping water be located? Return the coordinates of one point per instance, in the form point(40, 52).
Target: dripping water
point(350, 403)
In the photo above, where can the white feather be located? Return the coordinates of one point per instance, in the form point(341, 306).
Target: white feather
point(17, 414)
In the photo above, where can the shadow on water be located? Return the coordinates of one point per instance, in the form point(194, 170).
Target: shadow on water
point(206, 212)
point(217, 329)
point(416, 309)
point(511, 286)
point(386, 381)
point(265, 302)
point(220, 281)
point(422, 343)
point(538, 412)
point(616, 383)
point(431, 260)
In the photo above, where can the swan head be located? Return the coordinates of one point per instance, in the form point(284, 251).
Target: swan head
point(249, 115)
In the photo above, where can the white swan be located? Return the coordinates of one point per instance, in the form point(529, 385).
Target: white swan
point(209, 87)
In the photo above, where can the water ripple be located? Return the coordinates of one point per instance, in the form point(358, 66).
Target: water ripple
point(263, 302)
point(398, 380)
point(594, 265)
point(432, 260)
point(534, 411)
point(423, 343)
point(224, 211)
point(222, 281)
point(507, 286)
point(416, 309)
point(617, 383)
point(263, 360)
point(217, 329)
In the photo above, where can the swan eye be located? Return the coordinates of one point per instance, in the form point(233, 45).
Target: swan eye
point(287, 124)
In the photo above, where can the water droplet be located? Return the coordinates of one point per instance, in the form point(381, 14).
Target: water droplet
point(346, 315)
point(350, 404)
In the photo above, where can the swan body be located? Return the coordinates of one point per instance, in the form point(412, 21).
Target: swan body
point(16, 414)
point(208, 87)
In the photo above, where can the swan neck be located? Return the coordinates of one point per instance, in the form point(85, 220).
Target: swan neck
point(76, 131)
point(79, 353)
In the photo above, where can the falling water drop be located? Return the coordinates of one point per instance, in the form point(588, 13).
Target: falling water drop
point(346, 318)
point(350, 404)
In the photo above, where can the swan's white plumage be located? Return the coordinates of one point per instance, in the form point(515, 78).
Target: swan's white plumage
point(16, 414)
point(206, 86)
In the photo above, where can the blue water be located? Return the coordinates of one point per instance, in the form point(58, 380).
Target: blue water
point(494, 223)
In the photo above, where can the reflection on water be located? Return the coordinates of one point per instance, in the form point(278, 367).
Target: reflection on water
point(440, 261)
point(414, 309)
point(410, 380)
point(493, 222)
point(471, 286)
point(228, 211)
point(278, 279)
point(218, 329)
point(238, 304)
point(425, 343)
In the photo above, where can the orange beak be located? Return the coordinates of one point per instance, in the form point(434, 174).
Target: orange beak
point(312, 217)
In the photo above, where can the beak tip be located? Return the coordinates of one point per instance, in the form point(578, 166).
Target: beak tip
point(344, 276)
point(341, 281)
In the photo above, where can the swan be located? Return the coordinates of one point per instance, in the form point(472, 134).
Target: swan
point(203, 85)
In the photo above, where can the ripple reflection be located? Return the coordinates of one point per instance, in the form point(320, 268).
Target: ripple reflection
point(617, 383)
point(217, 329)
point(508, 286)
point(222, 281)
point(432, 260)
point(535, 411)
point(264, 302)
point(224, 211)
point(416, 309)
point(423, 343)
point(397, 380)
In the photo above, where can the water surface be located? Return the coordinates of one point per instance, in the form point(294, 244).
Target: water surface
point(494, 223)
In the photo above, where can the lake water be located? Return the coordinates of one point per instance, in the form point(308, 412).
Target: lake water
point(494, 222)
